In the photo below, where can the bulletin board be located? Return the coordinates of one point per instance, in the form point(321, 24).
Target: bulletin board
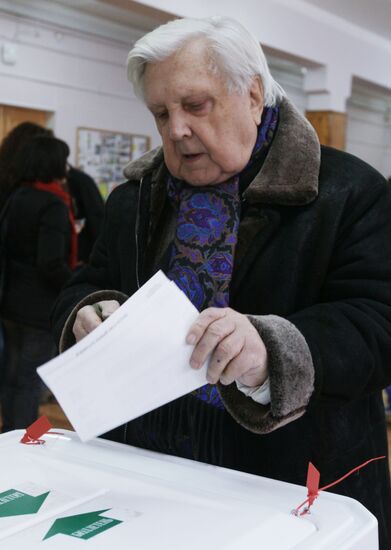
point(103, 154)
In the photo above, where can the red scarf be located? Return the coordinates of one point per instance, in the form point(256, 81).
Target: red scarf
point(56, 188)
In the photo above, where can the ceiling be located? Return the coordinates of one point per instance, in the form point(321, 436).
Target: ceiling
point(125, 12)
point(372, 15)
point(123, 21)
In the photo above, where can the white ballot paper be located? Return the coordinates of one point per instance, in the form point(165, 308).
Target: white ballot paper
point(134, 362)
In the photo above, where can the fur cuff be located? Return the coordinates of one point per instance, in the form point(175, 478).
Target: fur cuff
point(67, 337)
point(291, 374)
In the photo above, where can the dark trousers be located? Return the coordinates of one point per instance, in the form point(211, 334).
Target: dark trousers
point(25, 349)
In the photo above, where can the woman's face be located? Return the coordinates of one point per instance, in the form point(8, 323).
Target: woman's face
point(208, 134)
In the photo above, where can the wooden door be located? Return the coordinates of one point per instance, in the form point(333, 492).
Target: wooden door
point(330, 127)
point(12, 116)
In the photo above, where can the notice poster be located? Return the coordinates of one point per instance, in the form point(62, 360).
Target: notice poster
point(103, 154)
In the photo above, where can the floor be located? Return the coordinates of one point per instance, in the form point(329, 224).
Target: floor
point(59, 420)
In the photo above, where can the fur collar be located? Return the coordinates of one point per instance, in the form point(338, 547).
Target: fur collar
point(289, 175)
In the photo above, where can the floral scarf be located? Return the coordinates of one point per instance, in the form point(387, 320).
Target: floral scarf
point(202, 253)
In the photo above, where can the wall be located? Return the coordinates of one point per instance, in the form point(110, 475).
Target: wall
point(333, 49)
point(369, 127)
point(291, 77)
point(368, 132)
point(368, 137)
point(81, 79)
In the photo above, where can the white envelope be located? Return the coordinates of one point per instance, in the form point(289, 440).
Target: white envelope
point(134, 362)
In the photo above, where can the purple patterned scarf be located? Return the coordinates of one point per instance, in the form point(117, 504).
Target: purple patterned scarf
point(203, 250)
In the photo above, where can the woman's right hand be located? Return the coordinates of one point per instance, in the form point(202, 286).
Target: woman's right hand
point(90, 317)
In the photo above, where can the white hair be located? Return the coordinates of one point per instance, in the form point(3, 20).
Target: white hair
point(233, 52)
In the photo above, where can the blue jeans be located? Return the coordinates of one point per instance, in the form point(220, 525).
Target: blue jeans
point(25, 349)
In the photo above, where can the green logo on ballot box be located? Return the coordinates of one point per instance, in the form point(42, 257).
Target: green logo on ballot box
point(82, 526)
point(17, 503)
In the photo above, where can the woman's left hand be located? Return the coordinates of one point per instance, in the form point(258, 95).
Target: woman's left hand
point(237, 351)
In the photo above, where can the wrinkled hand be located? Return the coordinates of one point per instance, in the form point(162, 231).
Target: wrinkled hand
point(238, 352)
point(89, 317)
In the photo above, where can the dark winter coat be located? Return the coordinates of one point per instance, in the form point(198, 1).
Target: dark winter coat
point(37, 248)
point(89, 207)
point(313, 272)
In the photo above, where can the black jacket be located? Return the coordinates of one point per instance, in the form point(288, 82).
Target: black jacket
point(37, 248)
point(89, 207)
point(313, 272)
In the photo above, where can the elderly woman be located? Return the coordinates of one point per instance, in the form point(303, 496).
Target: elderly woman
point(285, 248)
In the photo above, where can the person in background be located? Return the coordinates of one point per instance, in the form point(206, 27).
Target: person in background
point(88, 204)
point(88, 207)
point(387, 391)
point(41, 252)
point(284, 246)
point(10, 145)
point(387, 403)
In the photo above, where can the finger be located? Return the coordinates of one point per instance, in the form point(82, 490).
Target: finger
point(86, 321)
point(78, 332)
point(204, 319)
point(214, 334)
point(227, 350)
point(107, 307)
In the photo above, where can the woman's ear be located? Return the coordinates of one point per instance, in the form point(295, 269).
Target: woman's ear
point(256, 99)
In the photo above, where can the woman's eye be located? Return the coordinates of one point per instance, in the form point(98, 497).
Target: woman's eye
point(161, 116)
point(197, 106)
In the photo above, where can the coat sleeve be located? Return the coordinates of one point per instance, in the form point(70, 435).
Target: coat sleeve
point(338, 349)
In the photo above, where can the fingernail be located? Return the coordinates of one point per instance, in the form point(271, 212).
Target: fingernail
point(194, 364)
point(191, 338)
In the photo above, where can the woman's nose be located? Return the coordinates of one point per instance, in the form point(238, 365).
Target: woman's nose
point(179, 127)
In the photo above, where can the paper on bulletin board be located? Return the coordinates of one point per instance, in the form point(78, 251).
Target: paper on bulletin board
point(103, 154)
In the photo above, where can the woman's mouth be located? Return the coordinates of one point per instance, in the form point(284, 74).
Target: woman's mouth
point(192, 157)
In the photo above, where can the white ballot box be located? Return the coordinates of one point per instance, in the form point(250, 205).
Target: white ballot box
point(119, 497)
